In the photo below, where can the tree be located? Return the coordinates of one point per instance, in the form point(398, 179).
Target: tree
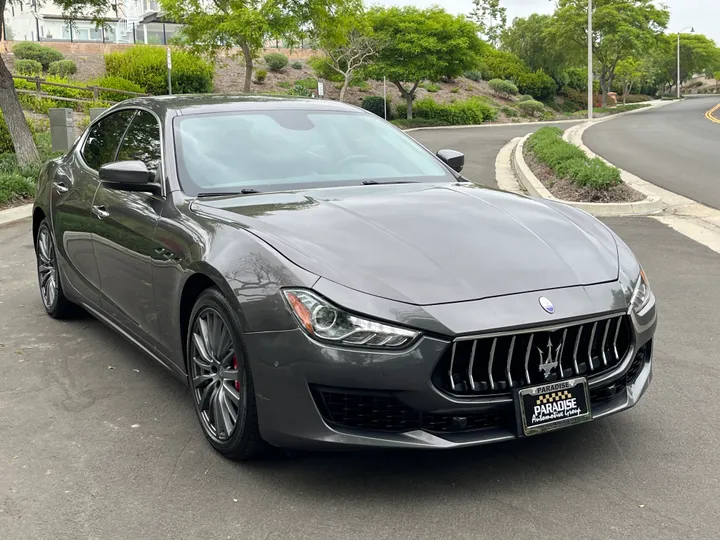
point(491, 19)
point(621, 28)
point(628, 73)
point(348, 44)
point(422, 45)
point(698, 54)
point(240, 27)
point(529, 39)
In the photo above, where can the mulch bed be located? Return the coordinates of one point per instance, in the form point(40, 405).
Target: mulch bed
point(567, 190)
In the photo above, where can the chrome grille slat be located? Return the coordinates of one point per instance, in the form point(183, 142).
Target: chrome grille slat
point(490, 364)
point(472, 365)
point(508, 373)
point(590, 344)
point(604, 342)
point(468, 366)
point(527, 358)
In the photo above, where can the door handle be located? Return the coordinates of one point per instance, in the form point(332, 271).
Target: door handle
point(60, 187)
point(100, 211)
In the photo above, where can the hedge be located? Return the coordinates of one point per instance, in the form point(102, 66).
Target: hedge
point(28, 50)
point(146, 66)
point(568, 161)
point(62, 68)
point(472, 111)
point(108, 81)
point(29, 68)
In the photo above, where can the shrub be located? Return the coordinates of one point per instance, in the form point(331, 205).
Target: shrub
point(538, 84)
point(276, 61)
point(526, 98)
point(296, 65)
point(531, 108)
point(146, 66)
point(260, 76)
point(323, 69)
point(309, 84)
point(29, 68)
point(502, 65)
point(375, 105)
point(568, 161)
point(284, 84)
point(455, 90)
point(636, 98)
point(6, 144)
point(473, 75)
point(117, 83)
point(431, 87)
point(62, 68)
point(28, 50)
point(503, 88)
point(472, 111)
point(41, 105)
point(509, 112)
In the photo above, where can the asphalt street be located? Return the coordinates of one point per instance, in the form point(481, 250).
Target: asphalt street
point(97, 441)
point(674, 147)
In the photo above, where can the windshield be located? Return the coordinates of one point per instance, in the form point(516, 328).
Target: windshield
point(295, 149)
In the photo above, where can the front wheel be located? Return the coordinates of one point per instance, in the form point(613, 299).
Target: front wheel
point(53, 298)
point(220, 379)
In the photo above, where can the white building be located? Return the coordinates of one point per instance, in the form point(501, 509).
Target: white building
point(127, 23)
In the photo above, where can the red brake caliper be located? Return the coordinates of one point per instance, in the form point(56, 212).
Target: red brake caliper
point(235, 366)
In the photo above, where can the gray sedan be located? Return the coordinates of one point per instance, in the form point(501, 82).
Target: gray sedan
point(320, 280)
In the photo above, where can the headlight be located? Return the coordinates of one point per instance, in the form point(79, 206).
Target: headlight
point(641, 294)
point(328, 323)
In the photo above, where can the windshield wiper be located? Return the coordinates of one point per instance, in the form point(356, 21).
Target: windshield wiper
point(246, 191)
point(376, 183)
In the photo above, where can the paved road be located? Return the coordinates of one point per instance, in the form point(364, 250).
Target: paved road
point(92, 452)
point(674, 147)
point(480, 145)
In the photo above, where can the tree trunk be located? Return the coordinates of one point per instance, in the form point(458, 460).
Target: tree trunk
point(25, 150)
point(408, 96)
point(603, 90)
point(346, 83)
point(409, 100)
point(248, 67)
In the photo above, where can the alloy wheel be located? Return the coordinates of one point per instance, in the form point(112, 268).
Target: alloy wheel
point(47, 268)
point(216, 378)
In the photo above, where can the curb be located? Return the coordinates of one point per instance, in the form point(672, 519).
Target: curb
point(651, 205)
point(12, 215)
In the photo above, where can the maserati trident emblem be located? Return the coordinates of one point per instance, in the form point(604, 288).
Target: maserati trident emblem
point(547, 305)
point(547, 364)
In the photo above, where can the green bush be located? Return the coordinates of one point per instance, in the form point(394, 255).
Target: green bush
point(375, 105)
point(28, 50)
point(296, 65)
point(404, 123)
point(29, 68)
point(509, 112)
point(568, 161)
point(146, 66)
point(62, 68)
point(117, 83)
point(503, 88)
point(531, 108)
point(577, 80)
point(284, 84)
point(260, 76)
point(41, 105)
point(431, 87)
point(472, 111)
point(455, 90)
point(473, 75)
point(6, 144)
point(309, 83)
point(636, 98)
point(526, 98)
point(501, 65)
point(276, 61)
point(323, 69)
point(538, 84)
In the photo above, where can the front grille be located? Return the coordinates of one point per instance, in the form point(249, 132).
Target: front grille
point(496, 364)
point(609, 391)
point(382, 411)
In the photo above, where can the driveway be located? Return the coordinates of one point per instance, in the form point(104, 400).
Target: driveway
point(97, 441)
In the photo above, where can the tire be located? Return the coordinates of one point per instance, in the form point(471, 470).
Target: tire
point(220, 379)
point(53, 298)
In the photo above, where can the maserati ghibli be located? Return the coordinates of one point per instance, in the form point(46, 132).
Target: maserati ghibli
point(320, 280)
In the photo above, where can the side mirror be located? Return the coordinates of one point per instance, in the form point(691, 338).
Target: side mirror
point(128, 176)
point(454, 159)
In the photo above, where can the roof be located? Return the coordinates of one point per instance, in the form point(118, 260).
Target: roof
point(187, 104)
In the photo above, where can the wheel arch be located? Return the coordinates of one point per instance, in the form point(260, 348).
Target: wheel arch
point(37, 217)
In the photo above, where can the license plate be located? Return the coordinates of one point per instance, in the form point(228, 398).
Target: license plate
point(554, 405)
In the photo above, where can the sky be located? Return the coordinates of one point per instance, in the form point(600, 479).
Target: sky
point(702, 14)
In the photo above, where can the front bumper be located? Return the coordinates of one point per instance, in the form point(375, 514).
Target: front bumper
point(291, 372)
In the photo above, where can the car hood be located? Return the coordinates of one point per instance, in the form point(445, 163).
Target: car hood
point(428, 243)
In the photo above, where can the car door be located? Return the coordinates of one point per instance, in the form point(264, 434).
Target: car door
point(123, 234)
point(74, 185)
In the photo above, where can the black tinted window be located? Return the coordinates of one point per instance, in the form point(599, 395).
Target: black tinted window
point(103, 139)
point(142, 142)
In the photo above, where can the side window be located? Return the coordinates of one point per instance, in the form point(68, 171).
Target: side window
point(103, 139)
point(142, 142)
